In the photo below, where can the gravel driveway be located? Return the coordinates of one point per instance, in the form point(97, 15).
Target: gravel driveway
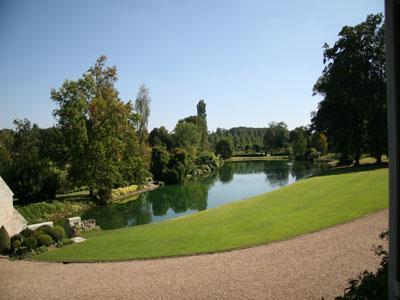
point(306, 267)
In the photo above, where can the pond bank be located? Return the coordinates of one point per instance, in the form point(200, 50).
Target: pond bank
point(305, 206)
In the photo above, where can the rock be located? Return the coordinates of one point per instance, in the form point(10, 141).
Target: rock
point(78, 239)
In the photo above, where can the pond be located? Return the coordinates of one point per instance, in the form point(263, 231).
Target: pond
point(233, 182)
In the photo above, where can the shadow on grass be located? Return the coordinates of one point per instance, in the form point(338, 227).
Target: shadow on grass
point(351, 169)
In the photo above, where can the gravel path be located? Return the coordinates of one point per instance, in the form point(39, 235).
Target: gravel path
point(305, 267)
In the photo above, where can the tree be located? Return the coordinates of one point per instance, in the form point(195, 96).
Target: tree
point(142, 107)
point(353, 111)
point(30, 177)
point(276, 136)
point(319, 141)
point(224, 148)
point(298, 140)
point(99, 130)
point(187, 136)
point(160, 137)
point(202, 125)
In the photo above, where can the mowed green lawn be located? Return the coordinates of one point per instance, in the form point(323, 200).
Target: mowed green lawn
point(334, 197)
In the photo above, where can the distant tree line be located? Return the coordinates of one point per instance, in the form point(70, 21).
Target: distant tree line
point(276, 139)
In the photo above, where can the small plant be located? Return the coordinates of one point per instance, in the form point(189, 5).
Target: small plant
point(5, 241)
point(41, 249)
point(45, 240)
point(66, 241)
point(31, 242)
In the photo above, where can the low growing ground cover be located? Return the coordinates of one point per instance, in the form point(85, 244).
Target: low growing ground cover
point(335, 196)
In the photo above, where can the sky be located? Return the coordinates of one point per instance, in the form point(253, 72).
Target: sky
point(252, 61)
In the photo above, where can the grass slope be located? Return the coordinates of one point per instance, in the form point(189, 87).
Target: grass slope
point(333, 197)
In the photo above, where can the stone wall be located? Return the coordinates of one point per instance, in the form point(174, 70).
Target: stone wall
point(10, 218)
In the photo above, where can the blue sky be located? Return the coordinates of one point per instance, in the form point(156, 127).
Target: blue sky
point(253, 62)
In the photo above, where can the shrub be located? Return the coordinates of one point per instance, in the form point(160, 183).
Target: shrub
point(45, 240)
point(15, 245)
point(69, 231)
point(18, 237)
point(5, 241)
point(57, 233)
point(38, 232)
point(66, 241)
point(31, 242)
point(27, 232)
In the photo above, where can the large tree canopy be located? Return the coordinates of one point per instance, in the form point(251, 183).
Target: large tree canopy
point(99, 131)
point(353, 111)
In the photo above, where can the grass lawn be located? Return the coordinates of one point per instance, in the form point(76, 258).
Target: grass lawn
point(334, 197)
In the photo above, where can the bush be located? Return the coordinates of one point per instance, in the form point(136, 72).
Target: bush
point(66, 241)
point(27, 232)
point(45, 240)
point(31, 242)
point(57, 233)
point(15, 245)
point(5, 241)
point(18, 237)
point(69, 231)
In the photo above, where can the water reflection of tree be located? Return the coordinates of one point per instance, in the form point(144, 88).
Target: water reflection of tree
point(277, 172)
point(226, 173)
point(133, 212)
point(190, 196)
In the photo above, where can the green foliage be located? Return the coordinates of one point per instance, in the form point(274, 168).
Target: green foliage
point(27, 232)
point(99, 130)
point(353, 84)
point(159, 162)
point(44, 240)
point(15, 245)
point(187, 135)
point(66, 241)
point(369, 285)
point(31, 242)
point(224, 148)
point(161, 138)
point(18, 237)
point(298, 139)
point(276, 137)
point(57, 233)
point(319, 141)
point(31, 177)
point(53, 211)
point(5, 241)
point(69, 231)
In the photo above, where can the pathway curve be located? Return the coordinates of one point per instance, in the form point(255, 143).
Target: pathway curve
point(305, 267)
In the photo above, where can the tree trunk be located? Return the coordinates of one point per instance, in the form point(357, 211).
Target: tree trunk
point(91, 192)
point(357, 157)
point(378, 157)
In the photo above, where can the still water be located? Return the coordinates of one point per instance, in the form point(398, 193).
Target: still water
point(234, 181)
